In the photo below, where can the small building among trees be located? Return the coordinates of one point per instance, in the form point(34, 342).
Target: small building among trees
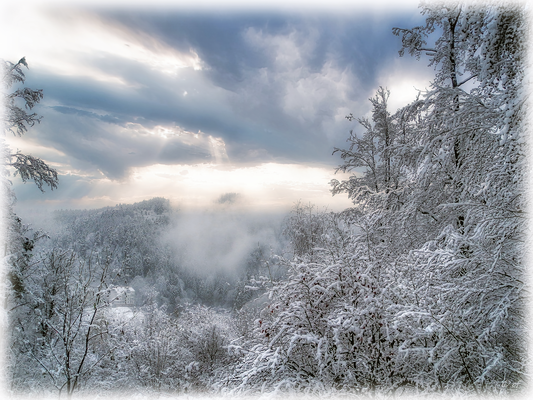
point(122, 296)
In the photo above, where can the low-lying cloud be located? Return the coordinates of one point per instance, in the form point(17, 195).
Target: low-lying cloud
point(221, 240)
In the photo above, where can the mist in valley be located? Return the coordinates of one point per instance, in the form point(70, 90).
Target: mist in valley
point(208, 255)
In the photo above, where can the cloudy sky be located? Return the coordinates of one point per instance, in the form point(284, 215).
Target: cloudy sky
point(202, 104)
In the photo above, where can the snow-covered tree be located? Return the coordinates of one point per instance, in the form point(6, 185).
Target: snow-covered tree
point(17, 239)
point(152, 351)
point(469, 176)
point(377, 151)
point(55, 324)
point(328, 325)
point(18, 242)
point(17, 120)
point(456, 230)
point(422, 285)
point(206, 334)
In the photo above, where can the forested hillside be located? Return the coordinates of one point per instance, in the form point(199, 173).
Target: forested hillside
point(72, 330)
point(419, 288)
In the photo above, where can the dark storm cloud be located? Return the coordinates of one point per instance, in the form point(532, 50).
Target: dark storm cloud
point(361, 44)
point(216, 38)
point(74, 111)
point(92, 144)
point(227, 198)
point(150, 98)
point(359, 40)
point(274, 88)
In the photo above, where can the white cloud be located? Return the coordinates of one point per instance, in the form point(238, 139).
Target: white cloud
point(305, 92)
point(61, 39)
point(317, 100)
point(315, 94)
point(404, 77)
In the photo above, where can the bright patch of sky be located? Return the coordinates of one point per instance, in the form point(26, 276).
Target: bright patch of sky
point(192, 102)
point(268, 186)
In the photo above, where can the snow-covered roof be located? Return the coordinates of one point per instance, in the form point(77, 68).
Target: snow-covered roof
point(123, 289)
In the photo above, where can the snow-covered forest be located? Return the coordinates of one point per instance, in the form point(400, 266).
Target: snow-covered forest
point(420, 287)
